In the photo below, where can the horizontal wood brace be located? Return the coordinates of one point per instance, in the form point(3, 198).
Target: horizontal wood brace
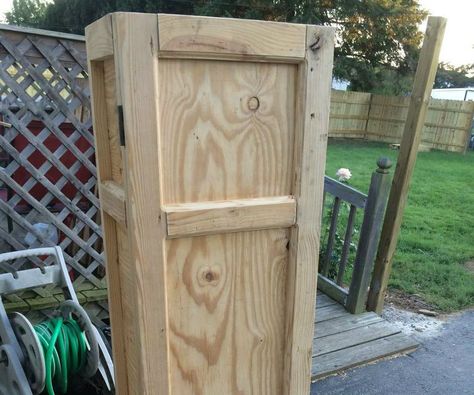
point(203, 218)
point(227, 38)
point(112, 200)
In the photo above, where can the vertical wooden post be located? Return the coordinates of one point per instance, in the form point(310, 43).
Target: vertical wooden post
point(419, 100)
point(370, 234)
point(332, 235)
point(310, 151)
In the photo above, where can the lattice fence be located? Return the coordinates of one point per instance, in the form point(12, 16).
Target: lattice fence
point(48, 191)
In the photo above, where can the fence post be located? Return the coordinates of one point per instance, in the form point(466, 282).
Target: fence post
point(369, 237)
point(424, 78)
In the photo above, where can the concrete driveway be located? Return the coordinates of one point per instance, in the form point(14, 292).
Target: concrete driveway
point(442, 365)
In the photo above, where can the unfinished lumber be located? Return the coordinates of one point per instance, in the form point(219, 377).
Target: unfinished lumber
point(203, 218)
point(423, 83)
point(211, 139)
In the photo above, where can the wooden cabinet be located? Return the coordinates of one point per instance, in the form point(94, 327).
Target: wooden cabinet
point(211, 140)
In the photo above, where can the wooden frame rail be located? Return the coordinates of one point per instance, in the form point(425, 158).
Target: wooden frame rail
point(205, 218)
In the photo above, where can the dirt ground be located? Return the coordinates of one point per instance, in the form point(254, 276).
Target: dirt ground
point(407, 302)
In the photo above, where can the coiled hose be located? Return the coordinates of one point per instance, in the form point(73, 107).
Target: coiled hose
point(65, 350)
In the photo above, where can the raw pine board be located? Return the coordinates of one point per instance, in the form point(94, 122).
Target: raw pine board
point(213, 147)
point(226, 122)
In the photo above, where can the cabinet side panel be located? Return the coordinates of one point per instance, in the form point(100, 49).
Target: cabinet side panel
point(226, 298)
point(102, 81)
point(226, 129)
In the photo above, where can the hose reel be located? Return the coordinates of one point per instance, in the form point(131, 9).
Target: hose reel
point(34, 358)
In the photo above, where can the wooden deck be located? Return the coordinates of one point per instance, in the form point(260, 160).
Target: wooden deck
point(343, 340)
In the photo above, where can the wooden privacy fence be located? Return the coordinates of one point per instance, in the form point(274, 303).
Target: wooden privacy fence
point(48, 174)
point(382, 118)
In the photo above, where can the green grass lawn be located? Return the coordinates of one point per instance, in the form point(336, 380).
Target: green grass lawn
point(437, 236)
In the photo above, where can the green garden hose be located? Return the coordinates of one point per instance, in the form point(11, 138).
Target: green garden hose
point(65, 350)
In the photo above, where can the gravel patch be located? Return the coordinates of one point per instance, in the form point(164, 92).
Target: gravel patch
point(414, 324)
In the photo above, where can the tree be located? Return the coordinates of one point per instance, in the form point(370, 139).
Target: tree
point(375, 39)
point(449, 76)
point(72, 16)
point(26, 13)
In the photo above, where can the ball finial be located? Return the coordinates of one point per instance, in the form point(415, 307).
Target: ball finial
point(383, 164)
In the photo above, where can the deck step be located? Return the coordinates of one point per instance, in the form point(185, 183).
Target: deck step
point(330, 312)
point(345, 323)
point(343, 340)
point(324, 301)
point(324, 365)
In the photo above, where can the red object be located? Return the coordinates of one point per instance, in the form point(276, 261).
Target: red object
point(37, 159)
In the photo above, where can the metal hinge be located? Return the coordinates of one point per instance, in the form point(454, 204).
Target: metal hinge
point(120, 126)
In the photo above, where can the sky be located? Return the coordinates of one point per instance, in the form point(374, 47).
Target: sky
point(458, 44)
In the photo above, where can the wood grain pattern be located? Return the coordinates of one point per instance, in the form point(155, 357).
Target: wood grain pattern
point(111, 241)
point(310, 160)
point(203, 218)
point(116, 158)
point(112, 197)
point(220, 37)
point(101, 46)
point(135, 45)
point(218, 314)
point(225, 295)
point(213, 146)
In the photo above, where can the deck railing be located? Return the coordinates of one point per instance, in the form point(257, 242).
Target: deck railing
point(331, 276)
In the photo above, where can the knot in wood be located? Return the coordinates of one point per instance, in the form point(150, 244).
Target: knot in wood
point(209, 276)
point(253, 103)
